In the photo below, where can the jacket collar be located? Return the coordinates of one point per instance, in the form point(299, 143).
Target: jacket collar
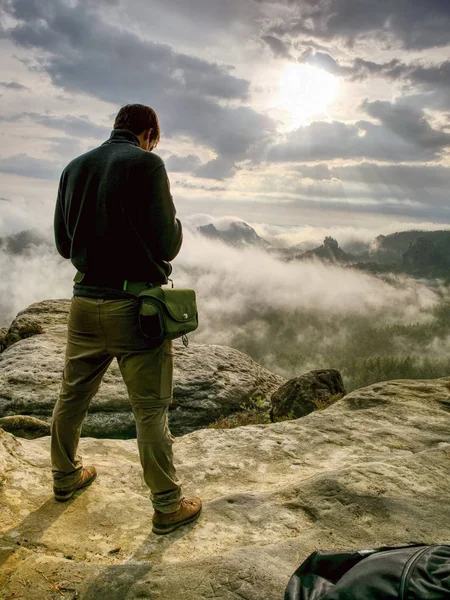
point(123, 136)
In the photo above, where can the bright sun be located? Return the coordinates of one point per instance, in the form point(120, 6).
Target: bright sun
point(305, 91)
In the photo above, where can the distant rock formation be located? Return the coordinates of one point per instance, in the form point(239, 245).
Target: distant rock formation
point(428, 257)
point(393, 248)
point(371, 470)
point(209, 381)
point(329, 251)
point(237, 234)
point(420, 254)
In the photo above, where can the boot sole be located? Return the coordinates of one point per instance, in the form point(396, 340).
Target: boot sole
point(60, 496)
point(163, 529)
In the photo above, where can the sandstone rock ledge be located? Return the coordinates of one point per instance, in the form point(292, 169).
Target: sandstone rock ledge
point(209, 380)
point(372, 469)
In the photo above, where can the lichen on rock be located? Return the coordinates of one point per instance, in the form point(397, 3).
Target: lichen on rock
point(310, 391)
point(25, 426)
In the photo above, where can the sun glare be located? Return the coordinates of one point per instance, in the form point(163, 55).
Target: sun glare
point(305, 91)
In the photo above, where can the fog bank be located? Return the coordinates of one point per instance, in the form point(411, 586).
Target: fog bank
point(290, 316)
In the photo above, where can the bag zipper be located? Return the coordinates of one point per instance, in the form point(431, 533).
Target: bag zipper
point(409, 566)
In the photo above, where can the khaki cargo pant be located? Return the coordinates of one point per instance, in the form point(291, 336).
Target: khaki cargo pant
point(98, 331)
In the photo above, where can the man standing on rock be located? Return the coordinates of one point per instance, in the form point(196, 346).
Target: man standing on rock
point(115, 220)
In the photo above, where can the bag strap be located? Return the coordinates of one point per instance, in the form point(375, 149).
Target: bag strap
point(79, 276)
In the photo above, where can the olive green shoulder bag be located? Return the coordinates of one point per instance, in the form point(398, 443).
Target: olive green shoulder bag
point(167, 313)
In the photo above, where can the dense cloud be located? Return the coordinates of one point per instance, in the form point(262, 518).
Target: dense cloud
point(82, 52)
point(18, 215)
point(413, 23)
point(356, 69)
point(111, 53)
point(182, 164)
point(431, 83)
point(22, 164)
point(428, 81)
point(361, 202)
point(211, 70)
point(35, 275)
point(352, 239)
point(72, 125)
point(13, 85)
point(210, 16)
point(419, 192)
point(77, 126)
point(314, 301)
point(413, 177)
point(278, 47)
point(218, 168)
point(408, 124)
point(403, 134)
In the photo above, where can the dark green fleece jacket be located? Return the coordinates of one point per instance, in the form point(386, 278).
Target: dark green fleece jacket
point(115, 217)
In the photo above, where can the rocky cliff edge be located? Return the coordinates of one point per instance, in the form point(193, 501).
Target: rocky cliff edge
point(373, 469)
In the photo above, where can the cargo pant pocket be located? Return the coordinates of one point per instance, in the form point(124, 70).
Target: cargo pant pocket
point(148, 375)
point(166, 383)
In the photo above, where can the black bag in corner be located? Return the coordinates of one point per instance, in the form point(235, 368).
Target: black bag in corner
point(419, 572)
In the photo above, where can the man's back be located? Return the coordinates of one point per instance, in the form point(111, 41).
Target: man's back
point(115, 215)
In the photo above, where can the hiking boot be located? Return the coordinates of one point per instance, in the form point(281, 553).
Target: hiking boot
point(166, 522)
point(88, 475)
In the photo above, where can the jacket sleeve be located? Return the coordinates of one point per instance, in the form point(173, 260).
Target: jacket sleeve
point(62, 240)
point(165, 233)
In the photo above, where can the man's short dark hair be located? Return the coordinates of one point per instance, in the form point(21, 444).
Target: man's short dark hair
point(137, 118)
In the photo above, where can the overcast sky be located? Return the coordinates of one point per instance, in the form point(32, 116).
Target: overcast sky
point(314, 113)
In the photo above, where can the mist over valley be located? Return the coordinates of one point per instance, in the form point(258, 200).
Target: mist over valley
point(375, 314)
